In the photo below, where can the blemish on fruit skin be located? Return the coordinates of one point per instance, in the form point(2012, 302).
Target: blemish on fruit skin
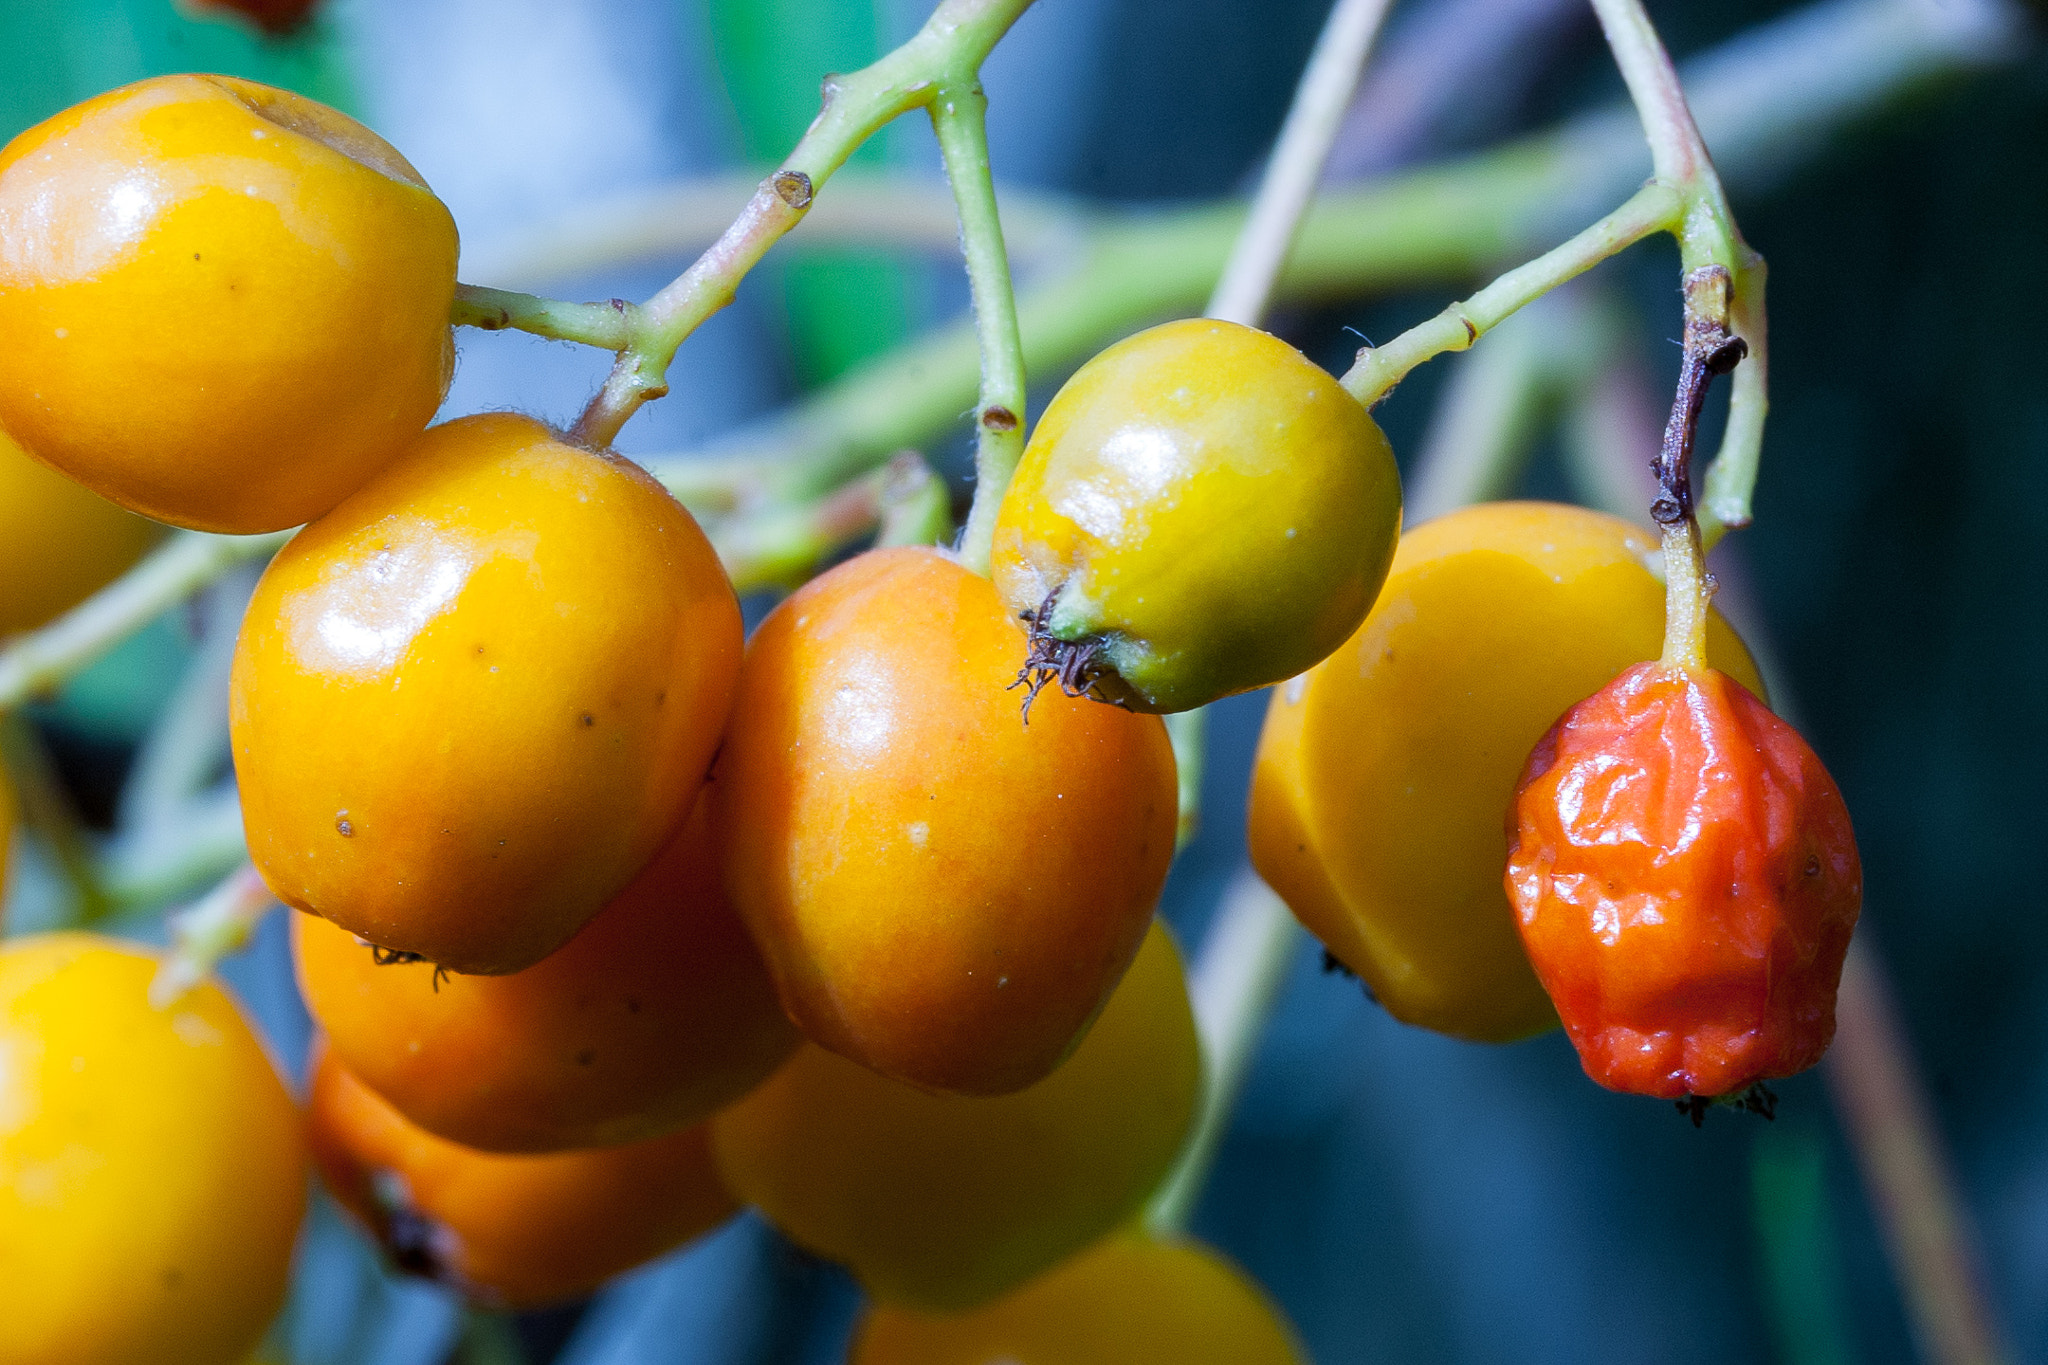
point(919, 832)
point(344, 826)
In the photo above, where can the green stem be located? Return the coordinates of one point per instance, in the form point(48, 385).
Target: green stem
point(46, 808)
point(1296, 166)
point(1652, 209)
point(959, 119)
point(947, 51)
point(780, 546)
point(609, 326)
point(222, 922)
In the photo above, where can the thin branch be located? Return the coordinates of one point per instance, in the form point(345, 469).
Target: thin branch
point(1652, 209)
point(36, 663)
point(949, 49)
point(1297, 164)
point(959, 120)
point(219, 924)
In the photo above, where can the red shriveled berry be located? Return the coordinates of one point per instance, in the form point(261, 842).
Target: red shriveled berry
point(1685, 879)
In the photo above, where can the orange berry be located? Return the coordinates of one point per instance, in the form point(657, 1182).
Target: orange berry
point(152, 1164)
point(657, 1013)
point(1130, 1299)
point(1685, 877)
point(508, 1231)
point(945, 1201)
point(472, 702)
point(943, 893)
point(226, 306)
point(59, 543)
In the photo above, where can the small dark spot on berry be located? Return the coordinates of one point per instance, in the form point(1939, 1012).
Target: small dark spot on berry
point(632, 1005)
point(1812, 865)
point(343, 827)
point(173, 1277)
point(195, 255)
point(589, 720)
point(585, 1057)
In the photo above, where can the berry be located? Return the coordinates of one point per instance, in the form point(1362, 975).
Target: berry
point(1685, 877)
point(508, 1231)
point(1201, 511)
point(945, 1201)
point(59, 543)
point(943, 892)
point(1128, 1300)
point(226, 306)
point(656, 1014)
point(154, 1169)
point(472, 702)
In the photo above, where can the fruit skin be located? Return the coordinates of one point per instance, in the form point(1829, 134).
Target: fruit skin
point(1686, 879)
point(473, 701)
point(226, 305)
point(1383, 776)
point(509, 1231)
point(656, 1014)
point(943, 893)
point(152, 1165)
point(1130, 1299)
point(59, 543)
point(943, 1202)
point(1206, 502)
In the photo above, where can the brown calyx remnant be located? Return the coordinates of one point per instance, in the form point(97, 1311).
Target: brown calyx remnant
point(1077, 667)
point(398, 957)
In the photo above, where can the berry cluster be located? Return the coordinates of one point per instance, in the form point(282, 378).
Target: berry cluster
point(612, 921)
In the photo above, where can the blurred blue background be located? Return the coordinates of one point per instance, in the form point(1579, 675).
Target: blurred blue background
point(1406, 1198)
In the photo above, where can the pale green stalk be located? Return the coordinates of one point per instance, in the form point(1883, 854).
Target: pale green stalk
point(959, 119)
point(945, 54)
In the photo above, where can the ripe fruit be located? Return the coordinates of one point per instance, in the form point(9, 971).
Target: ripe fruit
point(1128, 1300)
point(1384, 775)
point(152, 1171)
point(508, 1231)
point(59, 543)
point(942, 892)
point(1201, 511)
point(471, 703)
point(226, 306)
point(1686, 880)
point(657, 1013)
point(945, 1201)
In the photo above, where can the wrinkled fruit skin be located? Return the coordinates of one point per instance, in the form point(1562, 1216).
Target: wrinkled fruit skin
point(943, 893)
point(943, 1202)
point(1207, 503)
point(226, 306)
point(656, 1014)
point(1384, 774)
point(511, 1232)
point(1129, 1300)
point(473, 701)
point(59, 543)
point(152, 1167)
point(1685, 877)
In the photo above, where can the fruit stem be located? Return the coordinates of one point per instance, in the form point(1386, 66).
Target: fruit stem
point(779, 546)
point(220, 923)
point(608, 326)
point(1710, 350)
point(1707, 238)
point(47, 808)
point(959, 118)
point(1652, 209)
point(944, 54)
point(1292, 173)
